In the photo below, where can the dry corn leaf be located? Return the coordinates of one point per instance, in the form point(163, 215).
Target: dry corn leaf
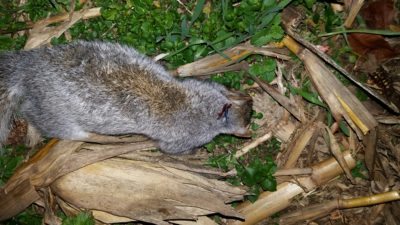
point(145, 191)
point(84, 177)
point(335, 94)
point(42, 34)
point(270, 203)
point(227, 61)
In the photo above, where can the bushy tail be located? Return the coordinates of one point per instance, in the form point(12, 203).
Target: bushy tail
point(8, 105)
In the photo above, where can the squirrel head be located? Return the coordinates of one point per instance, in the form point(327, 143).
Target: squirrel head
point(223, 110)
point(236, 115)
point(211, 110)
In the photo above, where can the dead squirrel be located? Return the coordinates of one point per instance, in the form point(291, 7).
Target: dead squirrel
point(70, 91)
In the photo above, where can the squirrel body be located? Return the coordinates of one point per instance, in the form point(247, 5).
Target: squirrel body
point(69, 91)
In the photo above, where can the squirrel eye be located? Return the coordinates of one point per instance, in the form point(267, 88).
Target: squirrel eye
point(224, 112)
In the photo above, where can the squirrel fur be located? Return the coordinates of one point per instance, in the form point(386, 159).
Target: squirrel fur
point(69, 91)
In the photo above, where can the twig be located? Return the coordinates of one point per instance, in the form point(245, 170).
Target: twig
point(297, 145)
point(184, 6)
point(281, 99)
point(320, 210)
point(279, 172)
point(72, 5)
point(264, 51)
point(293, 171)
point(199, 170)
point(28, 26)
point(335, 149)
point(279, 78)
point(355, 8)
point(253, 144)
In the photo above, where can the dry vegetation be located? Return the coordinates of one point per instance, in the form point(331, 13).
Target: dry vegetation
point(341, 172)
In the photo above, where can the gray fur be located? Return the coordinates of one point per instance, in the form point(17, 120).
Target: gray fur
point(70, 91)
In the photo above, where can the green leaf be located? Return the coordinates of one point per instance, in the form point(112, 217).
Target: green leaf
point(12, 163)
point(309, 3)
point(276, 32)
point(329, 118)
point(109, 14)
point(344, 128)
point(6, 42)
point(254, 192)
point(329, 18)
point(359, 170)
point(267, 20)
point(255, 69)
point(265, 69)
point(254, 126)
point(197, 10)
point(27, 217)
point(261, 38)
point(361, 95)
point(80, 219)
point(248, 177)
point(269, 184)
point(8, 165)
point(210, 146)
point(269, 14)
point(146, 27)
point(281, 5)
point(258, 174)
point(223, 161)
point(249, 82)
point(257, 115)
point(184, 27)
point(268, 76)
point(268, 3)
point(309, 96)
point(274, 145)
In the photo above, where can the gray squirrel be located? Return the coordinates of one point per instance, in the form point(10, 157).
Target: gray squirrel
point(70, 91)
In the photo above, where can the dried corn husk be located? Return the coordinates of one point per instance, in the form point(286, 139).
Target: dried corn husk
point(145, 191)
point(138, 187)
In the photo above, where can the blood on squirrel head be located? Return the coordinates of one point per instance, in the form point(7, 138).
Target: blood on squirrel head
point(238, 113)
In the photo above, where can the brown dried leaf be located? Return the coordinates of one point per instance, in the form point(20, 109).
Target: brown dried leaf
point(379, 14)
point(371, 44)
point(42, 34)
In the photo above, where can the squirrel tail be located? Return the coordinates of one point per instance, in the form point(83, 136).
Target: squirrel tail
point(8, 107)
